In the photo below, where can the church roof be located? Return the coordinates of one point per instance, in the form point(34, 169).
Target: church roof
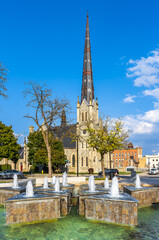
point(66, 134)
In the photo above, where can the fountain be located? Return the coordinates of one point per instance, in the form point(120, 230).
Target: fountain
point(106, 183)
point(53, 180)
point(45, 183)
point(15, 181)
point(145, 195)
point(29, 189)
point(91, 184)
point(137, 181)
point(57, 185)
point(114, 188)
point(64, 179)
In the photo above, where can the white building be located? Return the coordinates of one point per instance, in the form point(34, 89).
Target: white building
point(152, 161)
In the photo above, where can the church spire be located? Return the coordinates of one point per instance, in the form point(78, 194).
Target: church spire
point(87, 78)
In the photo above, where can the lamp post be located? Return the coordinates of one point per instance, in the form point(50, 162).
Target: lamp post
point(77, 155)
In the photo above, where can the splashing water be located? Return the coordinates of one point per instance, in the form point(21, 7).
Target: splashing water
point(91, 184)
point(15, 181)
point(29, 189)
point(57, 185)
point(64, 179)
point(45, 183)
point(137, 181)
point(106, 183)
point(53, 180)
point(114, 188)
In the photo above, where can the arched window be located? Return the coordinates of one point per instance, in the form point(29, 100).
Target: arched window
point(86, 161)
point(85, 116)
point(73, 160)
point(82, 116)
point(82, 161)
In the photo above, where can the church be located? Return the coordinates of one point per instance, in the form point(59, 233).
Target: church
point(80, 156)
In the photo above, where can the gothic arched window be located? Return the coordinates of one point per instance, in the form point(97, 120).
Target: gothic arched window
point(82, 161)
point(86, 161)
point(85, 116)
point(73, 160)
point(82, 116)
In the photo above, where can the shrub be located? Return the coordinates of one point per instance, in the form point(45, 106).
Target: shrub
point(5, 167)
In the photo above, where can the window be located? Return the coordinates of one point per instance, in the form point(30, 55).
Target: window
point(82, 161)
point(82, 144)
point(86, 161)
point(125, 155)
point(73, 160)
point(119, 154)
point(116, 154)
point(135, 154)
point(85, 116)
point(82, 116)
point(113, 154)
point(129, 154)
point(122, 154)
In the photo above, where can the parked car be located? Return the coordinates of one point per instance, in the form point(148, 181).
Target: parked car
point(153, 171)
point(108, 171)
point(10, 173)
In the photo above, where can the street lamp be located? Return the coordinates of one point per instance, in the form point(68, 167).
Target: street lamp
point(77, 154)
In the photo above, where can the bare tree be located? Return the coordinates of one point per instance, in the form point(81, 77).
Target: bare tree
point(46, 112)
point(3, 79)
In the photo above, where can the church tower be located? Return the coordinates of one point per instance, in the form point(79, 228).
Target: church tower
point(87, 109)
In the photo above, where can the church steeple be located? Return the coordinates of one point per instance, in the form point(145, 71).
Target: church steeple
point(87, 78)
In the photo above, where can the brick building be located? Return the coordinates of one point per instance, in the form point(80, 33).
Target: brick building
point(127, 157)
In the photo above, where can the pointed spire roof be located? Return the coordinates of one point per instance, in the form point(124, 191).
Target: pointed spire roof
point(87, 78)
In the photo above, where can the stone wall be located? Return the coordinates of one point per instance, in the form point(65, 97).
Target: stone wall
point(114, 211)
point(6, 194)
point(145, 196)
point(32, 210)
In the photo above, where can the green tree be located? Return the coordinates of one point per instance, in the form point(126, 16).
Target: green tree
point(9, 148)
point(110, 135)
point(38, 151)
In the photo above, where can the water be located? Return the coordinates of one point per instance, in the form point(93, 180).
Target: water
point(137, 181)
point(45, 183)
point(57, 185)
point(91, 184)
point(73, 227)
point(64, 179)
point(53, 179)
point(29, 189)
point(106, 183)
point(114, 188)
point(15, 181)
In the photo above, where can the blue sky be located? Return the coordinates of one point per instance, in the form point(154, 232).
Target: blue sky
point(44, 41)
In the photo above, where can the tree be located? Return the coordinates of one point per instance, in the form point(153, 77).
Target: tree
point(9, 148)
point(110, 135)
point(38, 151)
point(3, 79)
point(46, 112)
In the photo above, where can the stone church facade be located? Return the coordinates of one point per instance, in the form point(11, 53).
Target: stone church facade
point(82, 157)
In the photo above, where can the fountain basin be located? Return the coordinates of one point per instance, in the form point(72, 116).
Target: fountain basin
point(83, 193)
point(65, 200)
point(145, 195)
point(8, 192)
point(103, 207)
point(40, 207)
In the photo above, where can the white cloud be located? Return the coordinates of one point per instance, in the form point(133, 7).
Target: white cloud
point(145, 71)
point(129, 98)
point(153, 92)
point(137, 125)
point(147, 123)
